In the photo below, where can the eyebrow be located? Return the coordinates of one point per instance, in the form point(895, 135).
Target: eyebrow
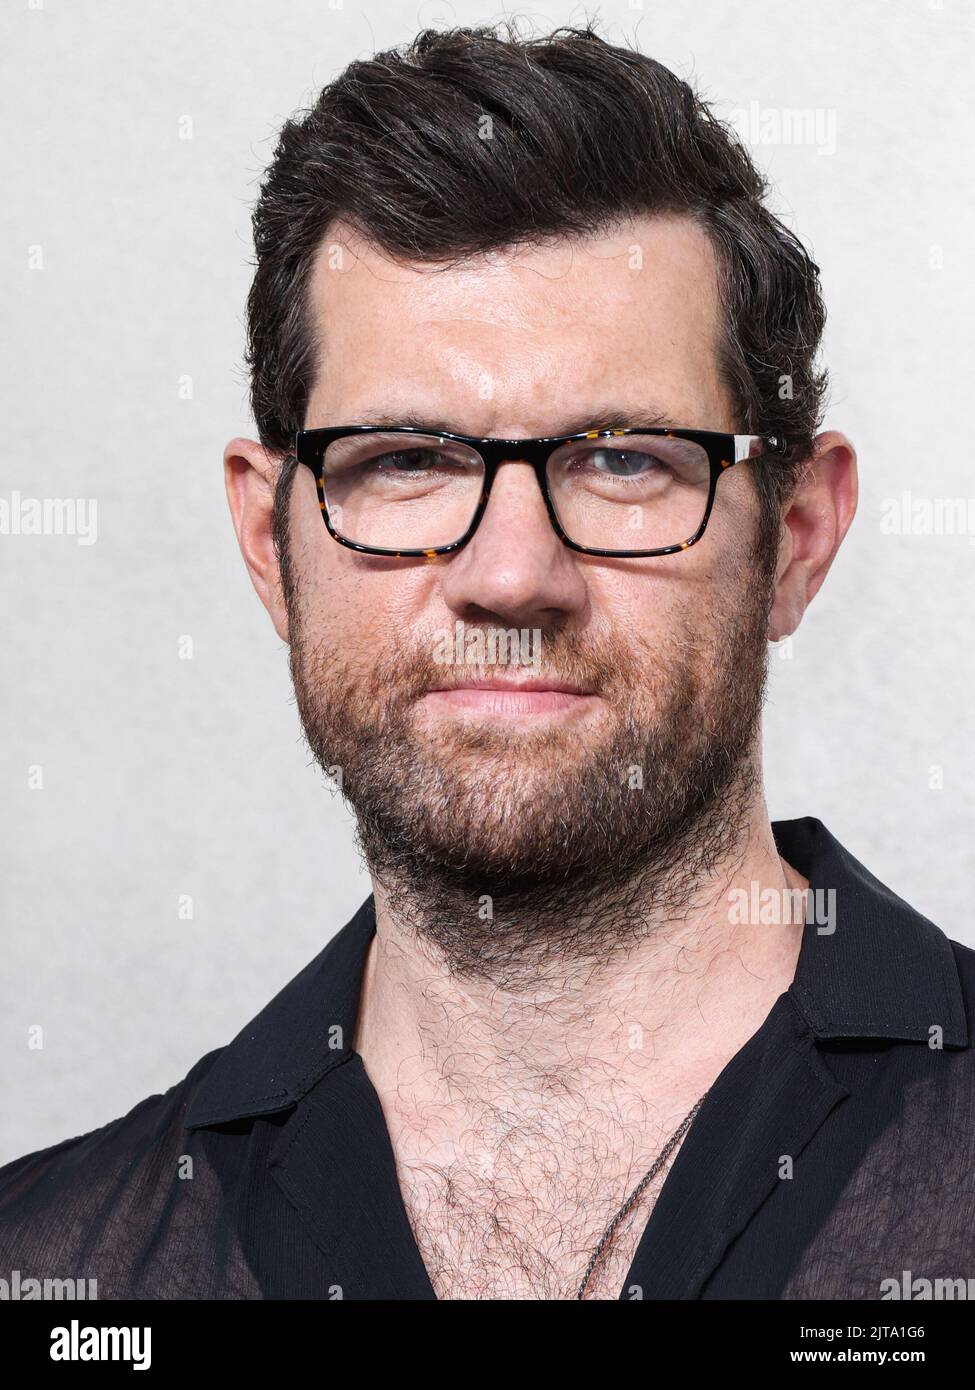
point(603, 418)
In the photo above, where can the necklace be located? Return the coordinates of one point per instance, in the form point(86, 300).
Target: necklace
point(658, 1162)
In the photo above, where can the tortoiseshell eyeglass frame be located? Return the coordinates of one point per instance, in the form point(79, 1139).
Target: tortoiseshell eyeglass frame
point(723, 451)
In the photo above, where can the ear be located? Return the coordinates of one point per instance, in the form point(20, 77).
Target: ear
point(250, 473)
point(813, 527)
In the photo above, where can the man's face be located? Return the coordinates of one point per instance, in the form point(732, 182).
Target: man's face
point(670, 651)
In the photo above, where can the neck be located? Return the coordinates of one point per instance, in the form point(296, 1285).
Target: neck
point(656, 1020)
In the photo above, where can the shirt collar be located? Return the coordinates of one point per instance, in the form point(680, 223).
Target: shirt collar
point(883, 972)
point(304, 1031)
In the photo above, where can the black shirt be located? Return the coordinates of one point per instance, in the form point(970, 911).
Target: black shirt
point(267, 1172)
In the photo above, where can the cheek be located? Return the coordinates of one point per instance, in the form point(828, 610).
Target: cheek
point(674, 611)
point(733, 524)
point(641, 614)
point(364, 609)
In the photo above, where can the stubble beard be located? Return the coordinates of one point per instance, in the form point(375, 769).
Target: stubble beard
point(517, 853)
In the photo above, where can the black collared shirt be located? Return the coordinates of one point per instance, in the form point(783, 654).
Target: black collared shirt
point(834, 1156)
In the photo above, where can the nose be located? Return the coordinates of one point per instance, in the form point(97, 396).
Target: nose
point(515, 568)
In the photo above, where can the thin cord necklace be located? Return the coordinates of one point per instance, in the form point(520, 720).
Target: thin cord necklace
point(658, 1162)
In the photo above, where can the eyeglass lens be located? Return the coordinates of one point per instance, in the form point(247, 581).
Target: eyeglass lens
point(409, 492)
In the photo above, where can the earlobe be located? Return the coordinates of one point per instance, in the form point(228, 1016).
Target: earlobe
point(783, 618)
point(815, 522)
point(250, 473)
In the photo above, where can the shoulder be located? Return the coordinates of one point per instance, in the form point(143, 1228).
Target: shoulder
point(64, 1205)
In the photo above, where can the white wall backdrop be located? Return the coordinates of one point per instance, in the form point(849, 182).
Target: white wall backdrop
point(124, 253)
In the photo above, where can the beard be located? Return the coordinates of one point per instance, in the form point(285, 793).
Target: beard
point(514, 852)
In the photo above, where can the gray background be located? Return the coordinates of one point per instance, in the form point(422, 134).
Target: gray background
point(165, 777)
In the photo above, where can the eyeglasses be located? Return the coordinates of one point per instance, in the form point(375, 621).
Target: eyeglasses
point(619, 492)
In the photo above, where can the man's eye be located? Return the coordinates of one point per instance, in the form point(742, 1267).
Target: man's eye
point(622, 463)
point(410, 460)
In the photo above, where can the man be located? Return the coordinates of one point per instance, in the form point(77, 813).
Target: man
point(537, 480)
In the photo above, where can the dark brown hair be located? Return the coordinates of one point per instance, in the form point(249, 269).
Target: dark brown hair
point(582, 135)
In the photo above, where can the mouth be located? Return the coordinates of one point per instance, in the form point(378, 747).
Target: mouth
point(527, 696)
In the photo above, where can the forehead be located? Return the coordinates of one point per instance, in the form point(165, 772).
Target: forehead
point(514, 336)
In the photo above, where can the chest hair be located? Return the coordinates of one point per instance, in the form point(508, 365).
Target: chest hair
point(517, 1213)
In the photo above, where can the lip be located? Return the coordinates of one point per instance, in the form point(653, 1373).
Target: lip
point(528, 697)
point(523, 683)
